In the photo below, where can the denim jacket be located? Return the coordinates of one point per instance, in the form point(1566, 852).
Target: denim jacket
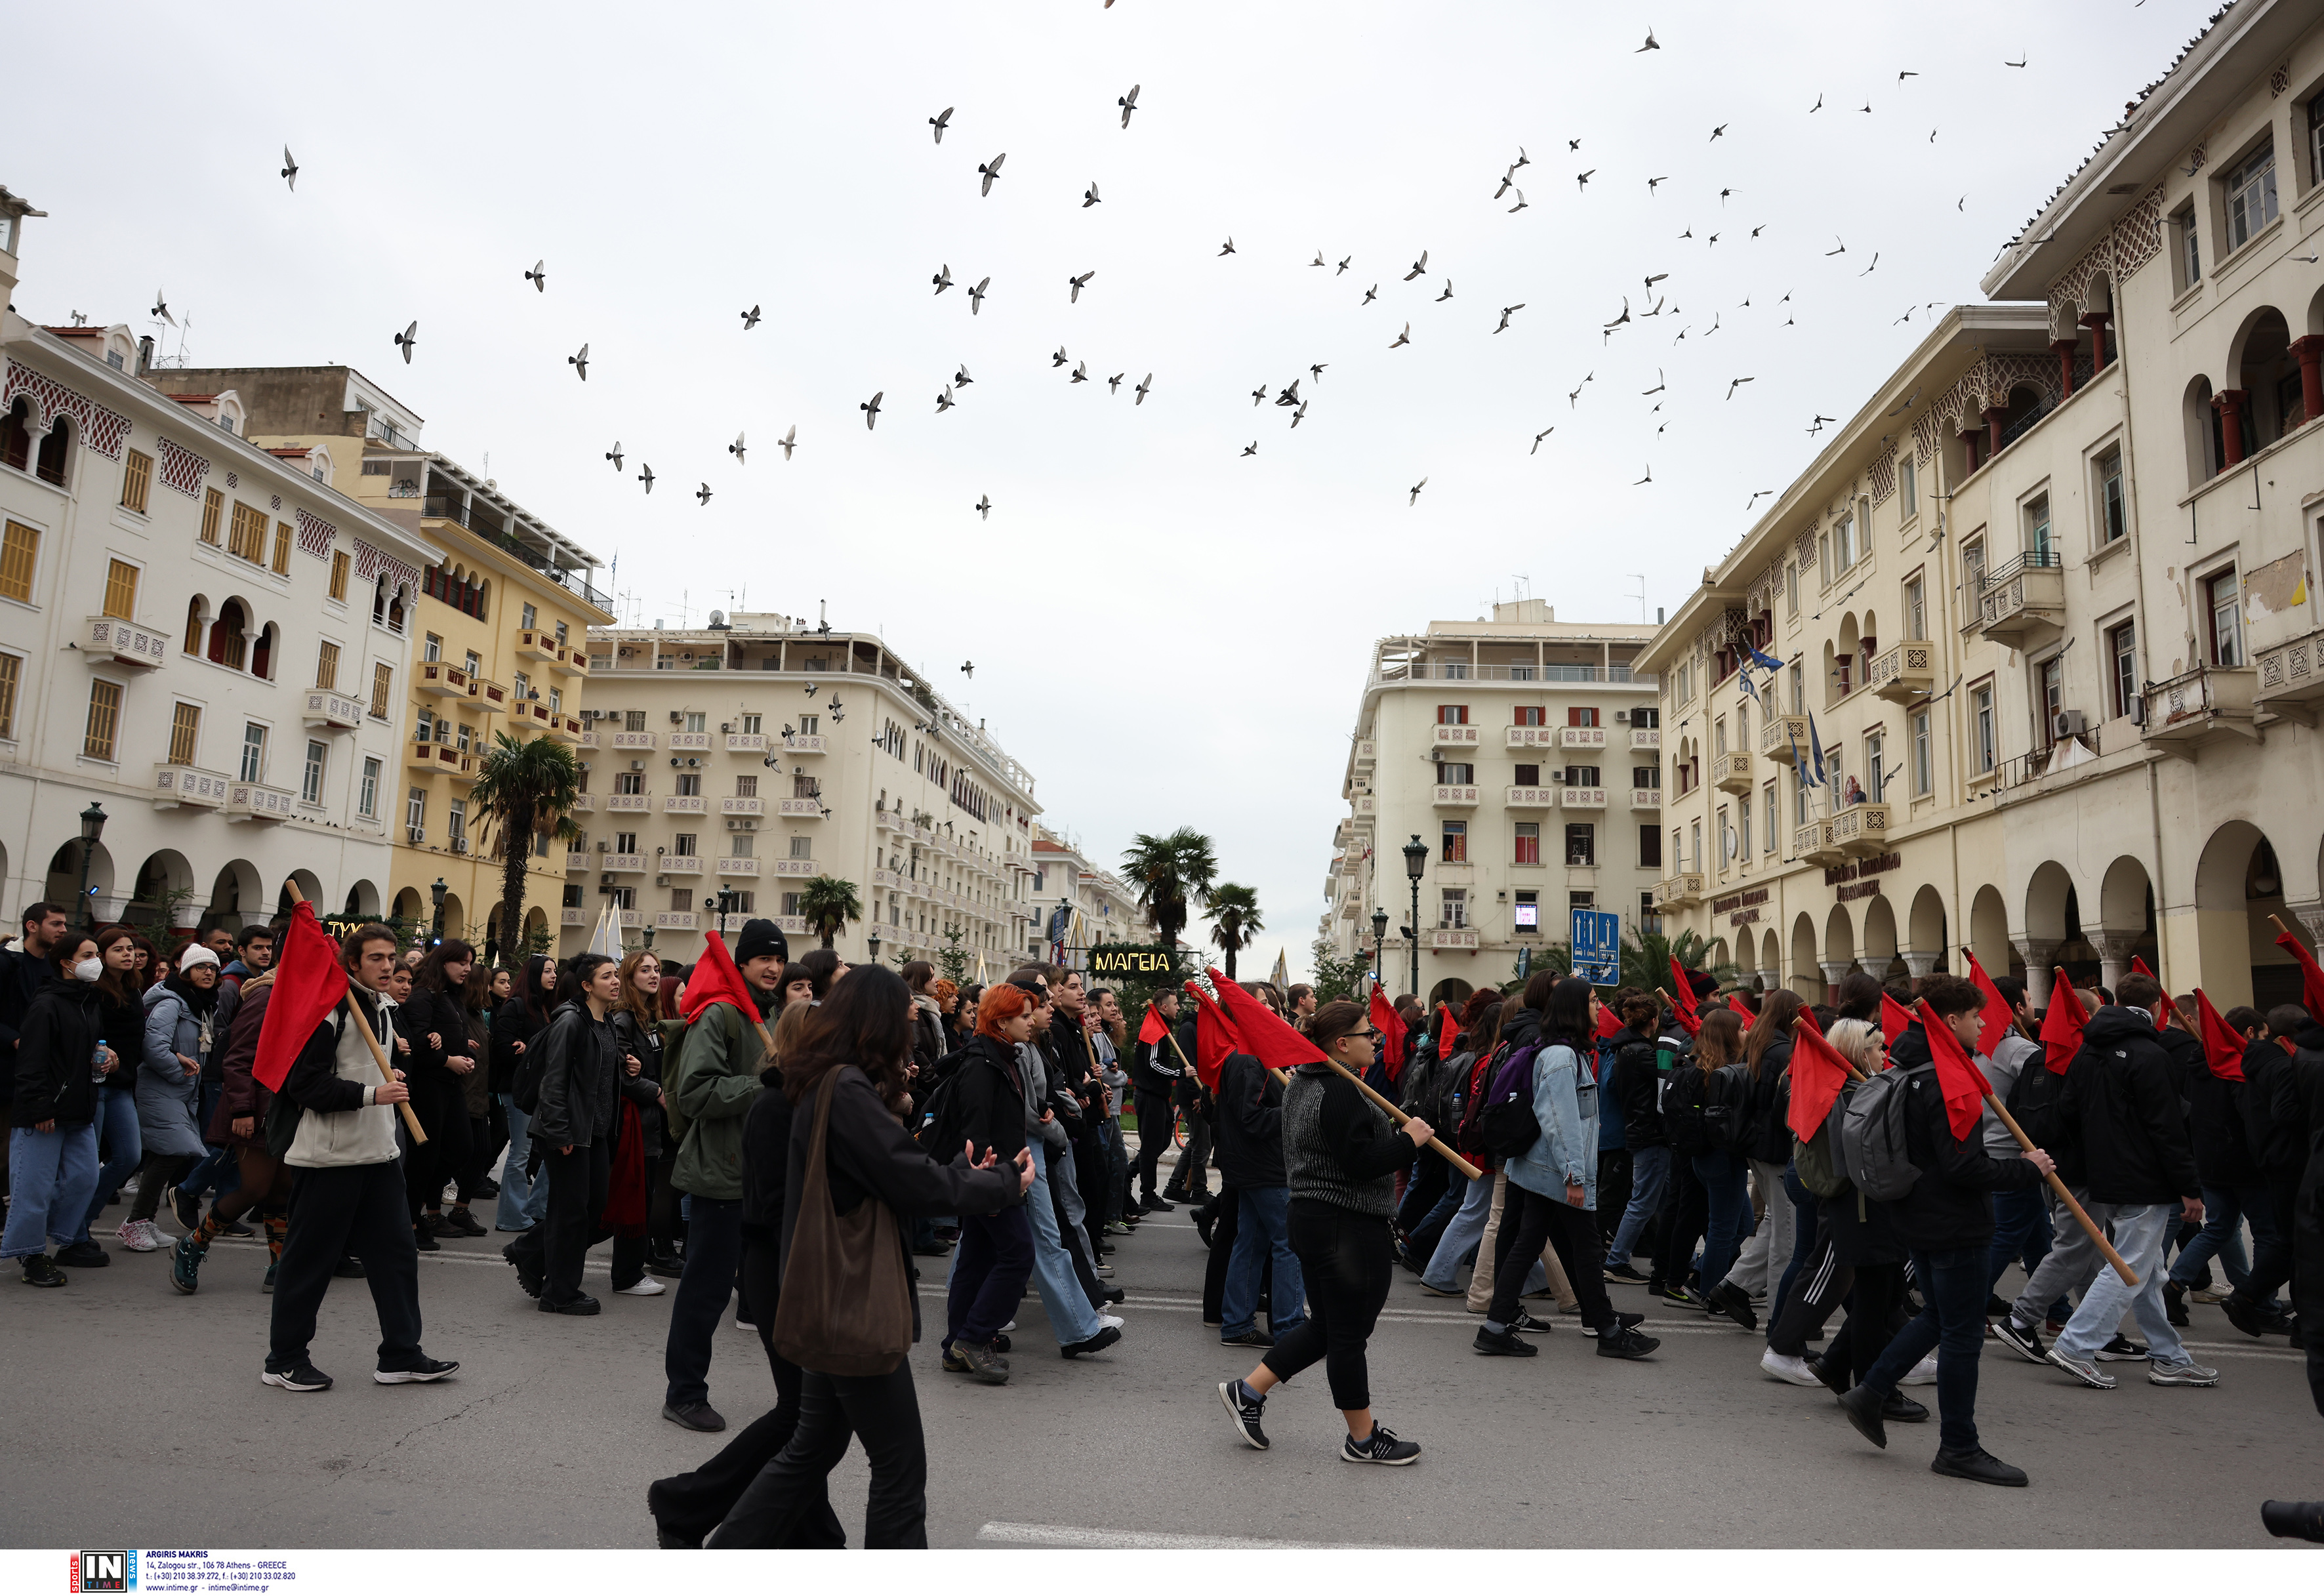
point(1568, 1144)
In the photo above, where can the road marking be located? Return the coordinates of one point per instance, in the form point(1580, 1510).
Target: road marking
point(1075, 1535)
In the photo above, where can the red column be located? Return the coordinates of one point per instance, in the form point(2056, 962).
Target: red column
point(1992, 415)
point(2065, 349)
point(2310, 352)
point(2095, 320)
point(2229, 403)
point(1970, 436)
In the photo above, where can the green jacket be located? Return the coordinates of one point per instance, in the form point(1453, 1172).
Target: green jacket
point(715, 1082)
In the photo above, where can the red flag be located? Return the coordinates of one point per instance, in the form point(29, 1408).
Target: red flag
point(1682, 999)
point(2311, 975)
point(1818, 1073)
point(2062, 1027)
point(1214, 1037)
point(1896, 1019)
point(1154, 1029)
point(1964, 1085)
point(1609, 1024)
point(2223, 1050)
point(1999, 1018)
point(1262, 1034)
point(715, 980)
point(2139, 965)
point(309, 983)
point(1740, 1001)
point(1391, 1027)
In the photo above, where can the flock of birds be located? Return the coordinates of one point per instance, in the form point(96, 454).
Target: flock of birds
point(1656, 302)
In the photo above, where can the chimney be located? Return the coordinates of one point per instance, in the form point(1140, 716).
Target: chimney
point(145, 354)
point(13, 212)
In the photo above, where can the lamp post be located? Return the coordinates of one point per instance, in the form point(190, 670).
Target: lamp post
point(438, 892)
point(92, 827)
point(647, 934)
point(1416, 861)
point(1379, 946)
point(872, 940)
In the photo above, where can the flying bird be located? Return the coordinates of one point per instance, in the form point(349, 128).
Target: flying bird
point(1648, 45)
point(289, 169)
point(1717, 131)
point(1574, 144)
point(615, 454)
point(1371, 294)
point(1649, 476)
point(1289, 395)
point(1902, 76)
point(1081, 372)
point(1537, 437)
point(1737, 382)
point(1343, 264)
point(1520, 205)
point(580, 363)
point(645, 476)
point(1867, 107)
point(961, 379)
point(870, 409)
point(990, 170)
point(976, 295)
point(539, 276)
point(162, 309)
point(1584, 177)
point(968, 669)
point(1228, 247)
point(789, 441)
point(983, 508)
point(1657, 277)
point(944, 399)
point(1415, 491)
point(1300, 414)
point(1817, 106)
point(1840, 250)
point(1316, 370)
point(1624, 317)
point(940, 121)
point(750, 318)
point(1259, 396)
point(1059, 358)
point(1076, 283)
point(942, 278)
point(1523, 159)
point(1659, 384)
point(1508, 181)
point(1319, 260)
point(1128, 103)
point(1402, 337)
point(1252, 450)
point(1651, 182)
point(1418, 266)
point(1447, 293)
point(1113, 384)
point(2014, 63)
point(735, 449)
point(1091, 199)
point(1141, 389)
point(1762, 494)
point(1723, 193)
point(404, 340)
point(1759, 229)
point(703, 495)
point(1576, 394)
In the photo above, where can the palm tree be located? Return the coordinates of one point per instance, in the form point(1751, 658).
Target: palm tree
point(1233, 914)
point(1170, 871)
point(1646, 960)
point(828, 903)
point(526, 788)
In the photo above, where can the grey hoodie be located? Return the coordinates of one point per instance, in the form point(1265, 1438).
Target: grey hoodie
point(1030, 1059)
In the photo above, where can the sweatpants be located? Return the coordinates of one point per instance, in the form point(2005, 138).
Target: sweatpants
point(1767, 1252)
point(1155, 1119)
point(2074, 1260)
point(356, 1208)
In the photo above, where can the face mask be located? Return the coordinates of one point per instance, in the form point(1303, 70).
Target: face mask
point(89, 969)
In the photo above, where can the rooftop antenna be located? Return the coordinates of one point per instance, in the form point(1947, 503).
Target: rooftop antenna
point(1640, 578)
point(1523, 588)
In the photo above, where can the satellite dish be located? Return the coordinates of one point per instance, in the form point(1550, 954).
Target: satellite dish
point(717, 618)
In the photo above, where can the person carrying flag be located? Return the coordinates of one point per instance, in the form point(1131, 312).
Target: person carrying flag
point(2232, 1192)
point(1154, 1071)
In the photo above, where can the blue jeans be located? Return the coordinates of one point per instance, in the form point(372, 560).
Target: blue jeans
point(50, 1175)
point(2139, 1229)
point(1649, 1173)
point(1727, 1190)
point(1804, 1223)
point(1466, 1229)
point(1062, 1297)
point(2225, 1209)
point(2021, 1231)
point(1263, 1229)
point(521, 1204)
point(1953, 1284)
point(116, 1125)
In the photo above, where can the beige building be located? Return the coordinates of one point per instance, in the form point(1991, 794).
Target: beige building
point(1522, 753)
point(751, 754)
point(2048, 599)
point(1100, 908)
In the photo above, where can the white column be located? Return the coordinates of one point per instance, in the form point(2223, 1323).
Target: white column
point(1918, 964)
point(2037, 952)
point(1769, 980)
point(2114, 955)
point(1834, 972)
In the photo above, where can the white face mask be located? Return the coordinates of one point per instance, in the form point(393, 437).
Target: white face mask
point(89, 969)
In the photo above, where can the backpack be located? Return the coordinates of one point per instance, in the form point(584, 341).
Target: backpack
point(524, 1088)
point(1507, 1125)
point(1719, 1121)
point(936, 1135)
point(1870, 1134)
point(1815, 1159)
point(1474, 1091)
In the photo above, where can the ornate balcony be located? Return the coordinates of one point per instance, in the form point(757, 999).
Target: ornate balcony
point(738, 867)
point(1458, 739)
point(336, 710)
point(575, 662)
point(1645, 797)
point(1780, 733)
point(2194, 703)
point(1643, 738)
point(1906, 674)
point(568, 917)
point(633, 740)
point(801, 742)
point(248, 800)
point(2291, 673)
point(795, 867)
point(746, 742)
point(1861, 829)
point(125, 643)
point(1815, 843)
point(1587, 737)
point(174, 785)
point(799, 808)
point(626, 863)
point(1530, 736)
point(681, 864)
point(1455, 797)
point(2022, 601)
point(442, 678)
point(742, 806)
point(1530, 798)
point(1452, 939)
point(1678, 890)
point(584, 803)
point(535, 643)
point(689, 743)
point(578, 860)
point(1582, 798)
point(685, 803)
point(626, 803)
point(1731, 771)
point(676, 919)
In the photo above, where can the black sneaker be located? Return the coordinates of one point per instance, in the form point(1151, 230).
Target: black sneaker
point(40, 1269)
point(1622, 1273)
point(1502, 1343)
point(2023, 1339)
point(188, 1211)
point(1627, 1344)
point(1526, 1324)
point(186, 1266)
point(1204, 1218)
point(1114, 1294)
point(1381, 1446)
point(2293, 1521)
point(2243, 1312)
point(1105, 1337)
point(579, 1306)
point(1154, 1204)
point(1680, 1295)
point(1625, 1321)
point(1994, 1307)
point(982, 1363)
point(2175, 1304)
point(83, 1255)
point(695, 1415)
point(459, 1221)
point(236, 1229)
point(1835, 1380)
point(420, 1373)
point(1250, 1338)
point(1863, 1407)
point(425, 1239)
point(1979, 1465)
point(1730, 1300)
point(1245, 1407)
point(2121, 1350)
point(299, 1377)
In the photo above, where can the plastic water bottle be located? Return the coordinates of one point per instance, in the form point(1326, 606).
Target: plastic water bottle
point(97, 1066)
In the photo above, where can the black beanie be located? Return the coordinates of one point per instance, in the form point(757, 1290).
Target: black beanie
point(760, 938)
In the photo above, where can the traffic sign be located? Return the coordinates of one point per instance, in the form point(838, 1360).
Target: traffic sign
point(1598, 946)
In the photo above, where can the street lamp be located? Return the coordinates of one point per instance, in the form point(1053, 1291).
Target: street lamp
point(1379, 946)
point(1416, 861)
point(437, 892)
point(873, 941)
point(92, 827)
point(647, 934)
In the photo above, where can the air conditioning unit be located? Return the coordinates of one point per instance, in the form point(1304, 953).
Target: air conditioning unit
point(415, 833)
point(1557, 777)
point(605, 879)
point(2066, 722)
point(691, 763)
point(459, 844)
point(637, 764)
point(661, 880)
point(725, 726)
point(673, 763)
point(678, 717)
point(604, 846)
point(1621, 717)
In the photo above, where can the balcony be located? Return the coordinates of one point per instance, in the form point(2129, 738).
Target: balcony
point(1529, 798)
point(336, 710)
point(685, 803)
point(738, 867)
point(529, 715)
point(1582, 737)
point(464, 774)
point(632, 919)
point(432, 756)
point(1861, 829)
point(1582, 798)
point(575, 662)
point(1678, 890)
point(626, 863)
point(1815, 843)
point(799, 808)
point(441, 676)
point(800, 867)
point(676, 919)
point(1779, 734)
point(1452, 939)
point(689, 743)
point(533, 643)
point(632, 740)
point(565, 728)
point(568, 917)
point(248, 800)
point(1645, 797)
point(626, 803)
point(2291, 673)
point(573, 861)
point(742, 806)
point(1461, 739)
point(1906, 674)
point(1646, 738)
point(1731, 771)
point(125, 643)
point(746, 742)
point(799, 743)
point(1367, 753)
point(2022, 601)
point(1455, 797)
point(887, 820)
point(489, 696)
point(2193, 704)
point(174, 785)
point(1530, 736)
point(681, 864)
point(584, 803)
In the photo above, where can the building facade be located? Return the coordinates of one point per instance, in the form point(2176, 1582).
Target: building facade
point(1524, 754)
point(191, 664)
point(2053, 623)
point(1098, 907)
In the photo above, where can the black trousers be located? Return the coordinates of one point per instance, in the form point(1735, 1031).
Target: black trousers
point(1821, 1285)
point(1226, 1214)
point(1348, 1262)
point(1430, 1175)
point(1156, 1117)
point(778, 1509)
point(1613, 1191)
point(2303, 1225)
point(438, 1100)
point(1192, 1183)
point(1876, 1313)
point(568, 1224)
point(1531, 1222)
point(664, 1227)
point(1094, 1174)
point(356, 1208)
point(714, 1252)
point(2273, 1266)
point(1686, 1209)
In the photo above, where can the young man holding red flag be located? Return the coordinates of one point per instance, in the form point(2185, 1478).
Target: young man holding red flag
point(2020, 1215)
point(2232, 1191)
point(1154, 1071)
point(1946, 1220)
point(335, 1118)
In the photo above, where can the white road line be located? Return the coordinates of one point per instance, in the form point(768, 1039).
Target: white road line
point(1075, 1535)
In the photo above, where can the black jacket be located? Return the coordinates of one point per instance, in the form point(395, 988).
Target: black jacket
point(1070, 1054)
point(2120, 1103)
point(60, 1032)
point(21, 977)
point(2215, 1122)
point(1950, 1205)
point(123, 1027)
point(2275, 1128)
point(630, 1036)
point(1250, 1121)
point(579, 1067)
point(987, 1105)
point(1637, 1088)
point(437, 1014)
point(1770, 1137)
point(1153, 1068)
point(765, 1162)
point(513, 1022)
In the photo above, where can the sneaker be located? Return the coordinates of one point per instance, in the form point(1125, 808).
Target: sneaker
point(1381, 1446)
point(459, 1221)
point(695, 1415)
point(425, 1239)
point(979, 1362)
point(1627, 1344)
point(1979, 1465)
point(1114, 1294)
point(2243, 1312)
point(138, 1235)
point(2293, 1521)
point(83, 1255)
point(299, 1377)
point(236, 1229)
point(2089, 1374)
point(1923, 1373)
point(266, 1287)
point(951, 1362)
point(487, 1189)
point(2209, 1295)
point(528, 1279)
point(186, 1266)
point(644, 1286)
point(1253, 1337)
point(40, 1269)
point(1110, 1321)
point(2180, 1374)
point(1862, 1405)
point(420, 1373)
point(1790, 1371)
point(1525, 1323)
point(1443, 1290)
point(2175, 1304)
point(1154, 1204)
point(1000, 1343)
point(581, 1306)
point(1204, 1218)
point(1010, 1325)
point(1732, 1301)
point(1832, 1378)
point(187, 1210)
point(668, 1268)
point(1500, 1344)
point(2024, 1340)
point(1994, 1307)
point(2121, 1350)
point(1105, 1337)
point(1245, 1407)
point(1680, 1295)
point(1622, 1273)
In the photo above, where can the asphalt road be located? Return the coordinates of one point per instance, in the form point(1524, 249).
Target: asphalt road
point(138, 1417)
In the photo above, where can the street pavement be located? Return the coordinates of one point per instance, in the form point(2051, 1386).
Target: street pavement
point(140, 1420)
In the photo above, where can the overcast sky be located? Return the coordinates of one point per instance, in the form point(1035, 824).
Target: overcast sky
point(1166, 631)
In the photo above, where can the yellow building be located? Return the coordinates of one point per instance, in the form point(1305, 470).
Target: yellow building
point(501, 626)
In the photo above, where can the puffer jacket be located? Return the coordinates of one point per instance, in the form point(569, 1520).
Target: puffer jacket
point(1638, 1087)
point(59, 1033)
point(2121, 1104)
point(1769, 1139)
point(166, 1108)
point(2215, 1122)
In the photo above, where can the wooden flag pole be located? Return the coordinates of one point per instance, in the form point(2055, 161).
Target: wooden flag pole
point(2089, 1226)
point(1402, 1119)
point(386, 1070)
point(1846, 1063)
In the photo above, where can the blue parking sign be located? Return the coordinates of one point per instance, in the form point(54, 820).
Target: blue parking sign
point(1598, 946)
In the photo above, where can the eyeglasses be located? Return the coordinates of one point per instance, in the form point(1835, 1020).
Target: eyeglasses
point(1364, 1035)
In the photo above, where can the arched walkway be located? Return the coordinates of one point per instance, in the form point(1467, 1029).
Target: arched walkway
point(63, 884)
point(2239, 883)
point(1807, 980)
point(1926, 950)
point(1838, 945)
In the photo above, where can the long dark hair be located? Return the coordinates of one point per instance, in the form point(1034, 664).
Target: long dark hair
point(1719, 1041)
point(528, 989)
point(576, 977)
point(118, 987)
point(866, 1021)
point(429, 976)
point(818, 965)
point(1567, 1020)
point(1772, 1025)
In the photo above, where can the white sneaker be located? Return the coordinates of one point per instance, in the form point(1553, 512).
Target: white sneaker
point(1005, 1329)
point(1791, 1370)
point(1108, 1322)
point(647, 1285)
point(138, 1235)
point(1924, 1373)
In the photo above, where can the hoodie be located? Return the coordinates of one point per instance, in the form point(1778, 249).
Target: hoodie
point(1950, 1205)
point(2120, 1103)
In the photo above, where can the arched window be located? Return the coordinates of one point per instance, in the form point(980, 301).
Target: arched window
point(56, 453)
point(194, 625)
point(395, 607)
point(378, 600)
point(15, 437)
point(262, 656)
point(230, 636)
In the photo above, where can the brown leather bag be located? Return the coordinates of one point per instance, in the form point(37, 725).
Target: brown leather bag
point(846, 1305)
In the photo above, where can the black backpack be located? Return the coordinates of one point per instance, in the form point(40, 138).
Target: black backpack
point(935, 1132)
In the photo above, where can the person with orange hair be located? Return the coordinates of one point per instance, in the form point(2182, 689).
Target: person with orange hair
point(986, 1106)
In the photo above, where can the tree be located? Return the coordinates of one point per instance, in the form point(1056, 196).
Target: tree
point(525, 788)
point(952, 958)
point(828, 903)
point(1235, 923)
point(1337, 978)
point(1646, 960)
point(1170, 872)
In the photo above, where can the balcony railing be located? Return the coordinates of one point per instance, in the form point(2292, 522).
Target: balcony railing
point(1780, 733)
point(738, 867)
point(577, 859)
point(2290, 672)
point(681, 864)
point(1645, 737)
point(1447, 938)
point(622, 862)
point(1530, 736)
point(1454, 737)
point(1455, 797)
point(634, 740)
point(676, 919)
point(746, 742)
point(795, 867)
point(248, 800)
point(1645, 797)
point(443, 507)
point(1457, 672)
point(805, 742)
point(1904, 674)
point(689, 743)
point(184, 784)
point(1861, 829)
point(2196, 703)
point(568, 917)
point(2023, 599)
point(685, 803)
point(1582, 798)
point(584, 803)
point(1815, 843)
point(1679, 889)
point(742, 806)
point(799, 808)
point(335, 710)
point(1587, 737)
point(626, 803)
point(533, 643)
point(125, 642)
point(1731, 771)
point(1530, 798)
